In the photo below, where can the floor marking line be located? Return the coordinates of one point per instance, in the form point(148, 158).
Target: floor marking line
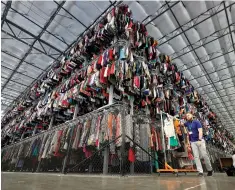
point(194, 186)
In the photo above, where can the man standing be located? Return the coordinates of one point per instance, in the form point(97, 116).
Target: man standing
point(198, 144)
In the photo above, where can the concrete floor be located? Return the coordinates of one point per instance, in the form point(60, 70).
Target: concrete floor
point(29, 181)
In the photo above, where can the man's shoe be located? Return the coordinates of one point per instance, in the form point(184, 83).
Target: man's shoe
point(200, 175)
point(210, 173)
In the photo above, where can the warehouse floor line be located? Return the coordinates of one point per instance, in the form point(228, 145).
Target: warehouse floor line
point(29, 181)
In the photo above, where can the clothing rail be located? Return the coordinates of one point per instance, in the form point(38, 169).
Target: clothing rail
point(121, 105)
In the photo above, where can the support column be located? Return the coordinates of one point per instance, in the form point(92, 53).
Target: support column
point(123, 146)
point(70, 142)
point(51, 122)
point(106, 150)
point(132, 165)
point(163, 138)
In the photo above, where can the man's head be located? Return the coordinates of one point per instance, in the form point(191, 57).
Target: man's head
point(189, 117)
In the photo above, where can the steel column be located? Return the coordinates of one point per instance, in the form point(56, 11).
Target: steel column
point(4, 15)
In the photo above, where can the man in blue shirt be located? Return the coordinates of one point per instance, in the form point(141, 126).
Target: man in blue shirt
point(198, 144)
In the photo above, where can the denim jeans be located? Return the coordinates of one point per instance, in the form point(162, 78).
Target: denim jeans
point(199, 150)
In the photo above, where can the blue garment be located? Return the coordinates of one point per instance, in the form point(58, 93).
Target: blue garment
point(193, 127)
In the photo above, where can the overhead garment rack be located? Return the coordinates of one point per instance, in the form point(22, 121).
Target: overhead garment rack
point(213, 10)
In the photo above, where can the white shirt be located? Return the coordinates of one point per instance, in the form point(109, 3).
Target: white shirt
point(169, 127)
point(233, 157)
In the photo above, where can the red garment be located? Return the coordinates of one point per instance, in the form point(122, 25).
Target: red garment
point(112, 70)
point(60, 133)
point(159, 141)
point(110, 54)
point(131, 155)
point(100, 60)
point(88, 153)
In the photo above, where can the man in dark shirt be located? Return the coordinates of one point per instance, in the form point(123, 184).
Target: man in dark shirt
point(198, 144)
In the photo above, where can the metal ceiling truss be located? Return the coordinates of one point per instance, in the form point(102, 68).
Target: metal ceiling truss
point(16, 71)
point(230, 30)
point(208, 92)
point(14, 56)
point(13, 89)
point(46, 31)
point(203, 42)
point(37, 38)
point(72, 16)
point(8, 95)
point(210, 57)
point(14, 81)
point(42, 42)
point(215, 69)
point(163, 9)
point(215, 82)
point(192, 23)
point(5, 12)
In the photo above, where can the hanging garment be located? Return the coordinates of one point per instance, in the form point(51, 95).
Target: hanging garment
point(113, 133)
point(45, 137)
point(91, 139)
point(104, 129)
point(131, 155)
point(77, 137)
point(169, 127)
point(119, 130)
point(98, 128)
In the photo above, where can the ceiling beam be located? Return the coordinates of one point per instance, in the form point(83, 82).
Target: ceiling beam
point(206, 93)
point(159, 12)
point(201, 41)
point(220, 80)
point(5, 12)
point(215, 71)
point(230, 31)
point(176, 32)
point(37, 38)
point(26, 43)
point(13, 89)
point(72, 15)
point(207, 59)
point(16, 71)
point(14, 81)
point(14, 56)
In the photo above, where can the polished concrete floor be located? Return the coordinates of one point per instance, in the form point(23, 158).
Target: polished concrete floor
point(29, 181)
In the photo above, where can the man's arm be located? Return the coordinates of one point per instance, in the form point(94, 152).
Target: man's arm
point(187, 135)
point(199, 126)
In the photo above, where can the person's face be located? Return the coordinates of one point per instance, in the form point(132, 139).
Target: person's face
point(189, 117)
